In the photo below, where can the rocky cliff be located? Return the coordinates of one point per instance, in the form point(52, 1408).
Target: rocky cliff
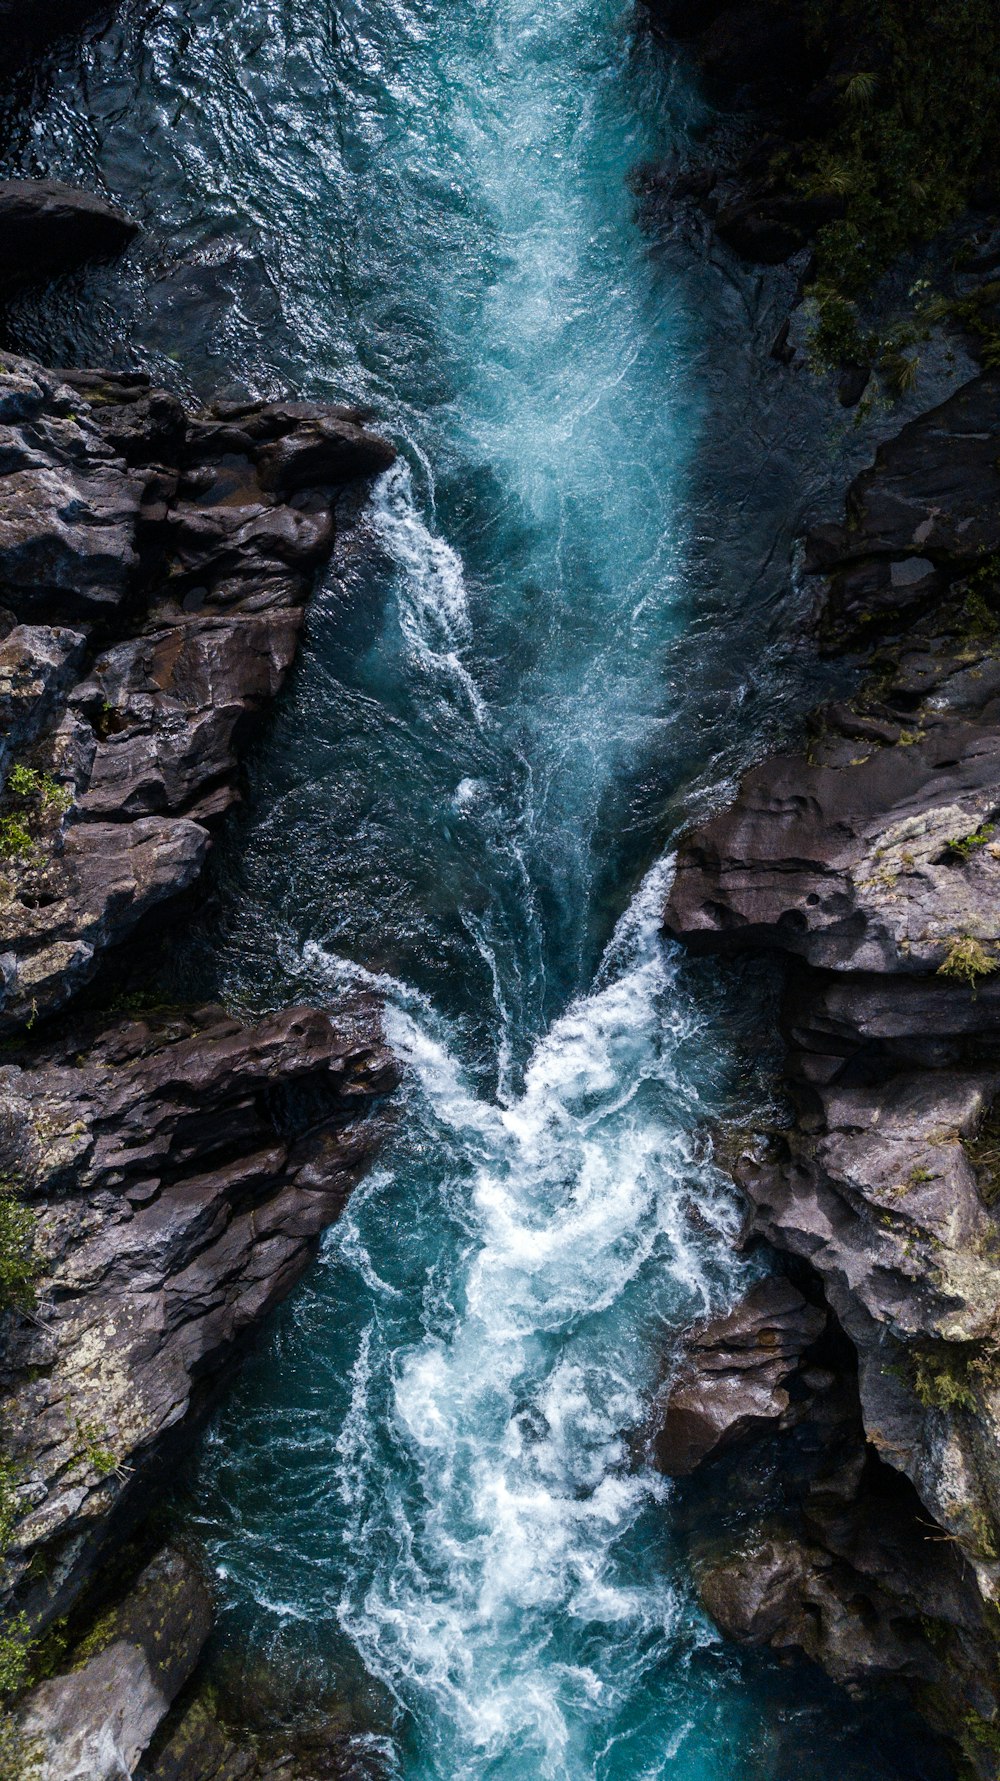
point(164, 1178)
point(867, 859)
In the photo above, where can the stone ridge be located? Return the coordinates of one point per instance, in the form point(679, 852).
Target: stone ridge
point(154, 570)
point(870, 860)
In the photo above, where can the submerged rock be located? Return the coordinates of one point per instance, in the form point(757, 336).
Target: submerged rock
point(46, 228)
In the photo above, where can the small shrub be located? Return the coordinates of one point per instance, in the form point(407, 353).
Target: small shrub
point(29, 785)
point(9, 1505)
point(941, 1381)
point(15, 1654)
point(15, 838)
point(964, 845)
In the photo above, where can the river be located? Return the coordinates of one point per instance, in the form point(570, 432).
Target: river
point(553, 629)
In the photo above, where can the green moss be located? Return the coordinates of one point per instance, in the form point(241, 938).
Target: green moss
point(978, 1735)
point(101, 1633)
point(967, 960)
point(20, 1757)
point(97, 1449)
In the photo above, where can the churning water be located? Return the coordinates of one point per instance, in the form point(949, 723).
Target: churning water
point(552, 624)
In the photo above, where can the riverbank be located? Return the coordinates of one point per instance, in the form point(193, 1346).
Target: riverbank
point(865, 859)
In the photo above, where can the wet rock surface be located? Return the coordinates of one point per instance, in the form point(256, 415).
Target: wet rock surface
point(869, 860)
point(47, 228)
point(177, 1167)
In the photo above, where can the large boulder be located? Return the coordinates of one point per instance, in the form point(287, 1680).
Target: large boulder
point(180, 1169)
point(94, 1723)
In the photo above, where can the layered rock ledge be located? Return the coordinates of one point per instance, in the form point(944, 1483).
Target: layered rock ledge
point(869, 861)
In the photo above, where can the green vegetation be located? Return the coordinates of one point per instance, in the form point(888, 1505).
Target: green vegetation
point(96, 1449)
point(979, 1735)
point(19, 1266)
point(15, 838)
point(39, 799)
point(964, 845)
point(911, 132)
point(39, 789)
point(943, 1378)
point(15, 1653)
point(20, 1760)
point(967, 960)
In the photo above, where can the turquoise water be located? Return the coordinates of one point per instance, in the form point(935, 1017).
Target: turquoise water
point(549, 631)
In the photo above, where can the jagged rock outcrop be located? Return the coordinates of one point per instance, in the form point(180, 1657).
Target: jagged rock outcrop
point(47, 228)
point(868, 860)
point(833, 1555)
point(155, 567)
point(180, 1168)
point(731, 1380)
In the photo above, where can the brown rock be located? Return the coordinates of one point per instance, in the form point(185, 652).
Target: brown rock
point(194, 540)
point(730, 1383)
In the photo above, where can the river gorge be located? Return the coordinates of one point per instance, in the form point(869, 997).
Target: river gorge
point(553, 633)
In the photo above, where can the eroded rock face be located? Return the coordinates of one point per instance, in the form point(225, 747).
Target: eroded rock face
point(181, 1169)
point(155, 567)
point(731, 1380)
point(871, 861)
